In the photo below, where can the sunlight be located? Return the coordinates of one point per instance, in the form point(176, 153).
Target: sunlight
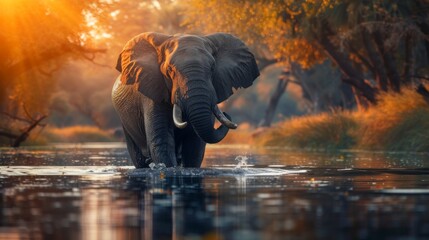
point(96, 32)
point(6, 5)
point(156, 5)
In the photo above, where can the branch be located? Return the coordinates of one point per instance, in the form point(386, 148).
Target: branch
point(15, 117)
point(49, 55)
point(420, 77)
point(26, 113)
point(25, 134)
point(362, 59)
point(8, 134)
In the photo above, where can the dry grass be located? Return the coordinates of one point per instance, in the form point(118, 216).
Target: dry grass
point(238, 137)
point(242, 135)
point(77, 134)
point(400, 122)
point(327, 130)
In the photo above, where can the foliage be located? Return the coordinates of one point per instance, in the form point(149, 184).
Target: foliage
point(37, 37)
point(326, 130)
point(123, 20)
point(268, 32)
point(378, 45)
point(45, 47)
point(397, 123)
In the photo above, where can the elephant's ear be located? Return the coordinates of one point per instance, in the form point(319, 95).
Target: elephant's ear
point(235, 65)
point(139, 65)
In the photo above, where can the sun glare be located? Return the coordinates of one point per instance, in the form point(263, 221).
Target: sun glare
point(96, 32)
point(25, 20)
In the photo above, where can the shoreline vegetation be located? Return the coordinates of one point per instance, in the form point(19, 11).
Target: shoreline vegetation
point(399, 122)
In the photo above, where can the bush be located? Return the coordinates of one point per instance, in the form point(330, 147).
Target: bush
point(399, 122)
point(327, 130)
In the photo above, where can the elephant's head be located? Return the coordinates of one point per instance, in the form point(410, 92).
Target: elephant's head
point(193, 73)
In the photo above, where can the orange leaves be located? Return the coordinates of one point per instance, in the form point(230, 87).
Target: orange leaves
point(302, 52)
point(264, 25)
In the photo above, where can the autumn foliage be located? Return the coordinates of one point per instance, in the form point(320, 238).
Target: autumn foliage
point(375, 44)
point(331, 58)
point(397, 123)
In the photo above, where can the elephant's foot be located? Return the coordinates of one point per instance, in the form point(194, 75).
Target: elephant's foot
point(143, 162)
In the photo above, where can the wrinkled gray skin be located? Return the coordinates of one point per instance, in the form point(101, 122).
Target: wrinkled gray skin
point(193, 72)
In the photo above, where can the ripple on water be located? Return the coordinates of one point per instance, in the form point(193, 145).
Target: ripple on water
point(250, 172)
point(405, 191)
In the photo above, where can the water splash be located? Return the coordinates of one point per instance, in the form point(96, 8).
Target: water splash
point(242, 161)
point(158, 166)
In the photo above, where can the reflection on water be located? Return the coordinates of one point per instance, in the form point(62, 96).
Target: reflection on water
point(91, 192)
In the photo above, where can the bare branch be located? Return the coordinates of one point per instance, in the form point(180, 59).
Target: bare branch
point(15, 117)
point(49, 55)
point(27, 113)
point(26, 133)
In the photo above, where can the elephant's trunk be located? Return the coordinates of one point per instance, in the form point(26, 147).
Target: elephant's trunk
point(199, 110)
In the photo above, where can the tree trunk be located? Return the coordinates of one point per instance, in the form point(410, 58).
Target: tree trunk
point(409, 61)
point(275, 98)
point(389, 63)
point(361, 102)
point(380, 72)
point(347, 96)
point(354, 77)
point(421, 89)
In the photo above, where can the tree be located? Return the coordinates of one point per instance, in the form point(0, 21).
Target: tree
point(37, 37)
point(373, 43)
point(121, 21)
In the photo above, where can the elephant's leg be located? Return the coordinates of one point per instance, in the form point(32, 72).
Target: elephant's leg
point(135, 151)
point(193, 149)
point(159, 129)
point(128, 105)
point(178, 145)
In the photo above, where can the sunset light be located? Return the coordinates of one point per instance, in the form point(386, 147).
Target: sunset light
point(214, 119)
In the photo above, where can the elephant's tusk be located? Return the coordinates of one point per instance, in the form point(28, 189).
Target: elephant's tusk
point(223, 119)
point(177, 117)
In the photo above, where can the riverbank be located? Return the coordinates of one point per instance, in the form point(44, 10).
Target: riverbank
point(399, 122)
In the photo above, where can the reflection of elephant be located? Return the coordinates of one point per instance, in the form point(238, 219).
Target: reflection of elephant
point(182, 74)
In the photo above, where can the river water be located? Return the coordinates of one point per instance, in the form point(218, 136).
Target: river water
point(90, 191)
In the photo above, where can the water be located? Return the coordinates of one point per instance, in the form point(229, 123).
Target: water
point(90, 191)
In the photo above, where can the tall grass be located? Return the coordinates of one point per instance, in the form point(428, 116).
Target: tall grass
point(327, 130)
point(399, 122)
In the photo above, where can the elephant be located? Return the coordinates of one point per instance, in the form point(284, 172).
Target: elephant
point(167, 93)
